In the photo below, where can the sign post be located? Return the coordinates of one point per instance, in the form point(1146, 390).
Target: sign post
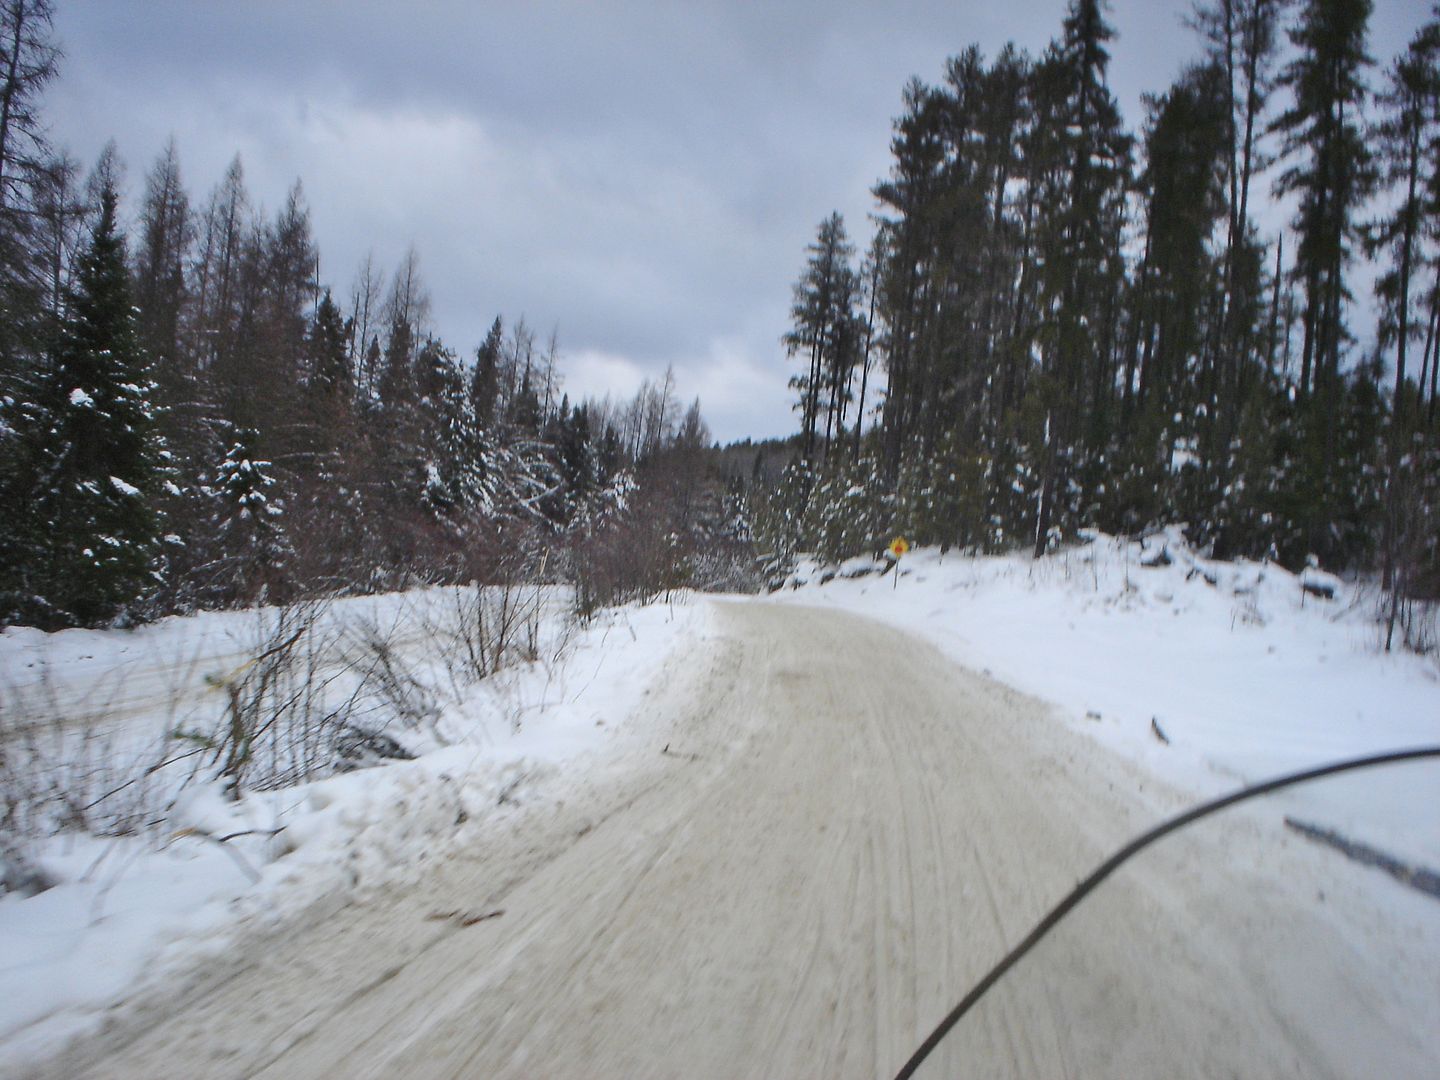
point(896, 551)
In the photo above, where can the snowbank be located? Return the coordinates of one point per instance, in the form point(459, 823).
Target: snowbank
point(129, 912)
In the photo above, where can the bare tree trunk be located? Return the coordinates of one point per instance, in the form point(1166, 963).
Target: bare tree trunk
point(1274, 308)
point(865, 362)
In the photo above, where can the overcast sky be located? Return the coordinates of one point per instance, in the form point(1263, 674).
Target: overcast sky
point(642, 177)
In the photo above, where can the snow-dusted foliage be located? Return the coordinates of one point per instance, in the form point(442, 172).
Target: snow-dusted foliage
point(308, 460)
point(81, 538)
point(251, 552)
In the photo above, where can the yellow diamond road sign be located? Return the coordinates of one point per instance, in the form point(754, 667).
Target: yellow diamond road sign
point(899, 546)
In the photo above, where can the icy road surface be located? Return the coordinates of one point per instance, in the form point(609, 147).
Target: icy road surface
point(844, 833)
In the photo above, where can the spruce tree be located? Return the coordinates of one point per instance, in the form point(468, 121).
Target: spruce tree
point(445, 426)
point(90, 458)
point(485, 381)
point(253, 551)
point(330, 376)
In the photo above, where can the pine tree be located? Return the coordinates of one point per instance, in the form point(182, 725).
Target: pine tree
point(1332, 173)
point(1243, 42)
point(91, 460)
point(919, 153)
point(824, 331)
point(1408, 137)
point(1184, 151)
point(1082, 269)
point(1408, 140)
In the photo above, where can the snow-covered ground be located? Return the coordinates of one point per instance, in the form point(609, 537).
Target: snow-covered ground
point(128, 911)
point(834, 832)
point(1245, 672)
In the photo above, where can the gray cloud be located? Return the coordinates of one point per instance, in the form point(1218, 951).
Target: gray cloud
point(643, 176)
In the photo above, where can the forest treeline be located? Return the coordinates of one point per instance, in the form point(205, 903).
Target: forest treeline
point(190, 418)
point(1080, 327)
point(1060, 324)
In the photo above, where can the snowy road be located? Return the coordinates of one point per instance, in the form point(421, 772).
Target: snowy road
point(843, 832)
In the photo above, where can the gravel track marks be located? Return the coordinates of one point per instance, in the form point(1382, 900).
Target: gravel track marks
point(847, 832)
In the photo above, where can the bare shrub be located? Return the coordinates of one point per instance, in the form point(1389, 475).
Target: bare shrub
point(484, 628)
point(624, 561)
point(388, 687)
point(317, 693)
point(62, 770)
point(1416, 619)
point(281, 714)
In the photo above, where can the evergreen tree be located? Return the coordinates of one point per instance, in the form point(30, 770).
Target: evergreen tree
point(90, 465)
point(485, 383)
point(575, 460)
point(1242, 35)
point(1184, 154)
point(919, 152)
point(329, 374)
point(252, 550)
point(1408, 139)
point(824, 331)
point(1082, 269)
point(1332, 173)
point(329, 384)
point(444, 414)
point(372, 364)
point(397, 371)
point(1243, 40)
